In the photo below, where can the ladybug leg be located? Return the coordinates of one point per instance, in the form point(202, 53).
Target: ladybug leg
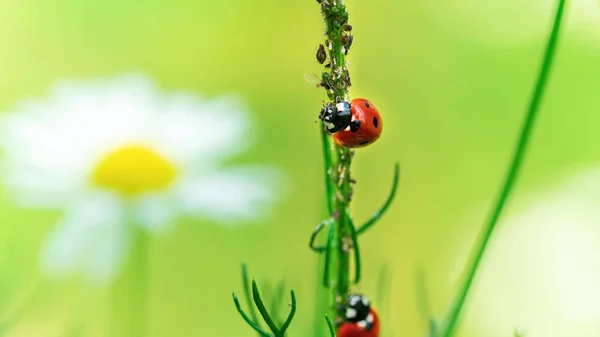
point(354, 125)
point(314, 234)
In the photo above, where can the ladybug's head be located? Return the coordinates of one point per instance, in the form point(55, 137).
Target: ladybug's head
point(336, 117)
point(357, 308)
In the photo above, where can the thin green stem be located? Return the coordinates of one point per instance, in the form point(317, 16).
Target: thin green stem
point(354, 236)
point(378, 214)
point(330, 326)
point(262, 309)
point(451, 321)
point(131, 290)
point(336, 81)
point(328, 166)
point(328, 258)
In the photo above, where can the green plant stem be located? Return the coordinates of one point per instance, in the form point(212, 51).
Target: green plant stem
point(452, 318)
point(328, 166)
point(131, 291)
point(330, 326)
point(336, 17)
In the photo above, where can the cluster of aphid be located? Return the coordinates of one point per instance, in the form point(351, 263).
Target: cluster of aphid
point(346, 41)
point(339, 73)
point(356, 123)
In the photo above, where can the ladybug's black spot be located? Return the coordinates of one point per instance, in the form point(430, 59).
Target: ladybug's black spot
point(367, 104)
point(364, 142)
point(375, 122)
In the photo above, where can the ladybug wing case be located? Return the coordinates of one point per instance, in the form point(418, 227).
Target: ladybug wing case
point(351, 329)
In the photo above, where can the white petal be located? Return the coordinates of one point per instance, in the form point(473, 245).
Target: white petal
point(42, 190)
point(232, 195)
point(107, 253)
point(198, 132)
point(155, 212)
point(90, 235)
point(51, 145)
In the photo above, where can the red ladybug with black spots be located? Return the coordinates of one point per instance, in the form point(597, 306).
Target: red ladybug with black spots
point(360, 320)
point(354, 124)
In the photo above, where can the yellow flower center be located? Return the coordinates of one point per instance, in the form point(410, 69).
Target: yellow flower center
point(133, 170)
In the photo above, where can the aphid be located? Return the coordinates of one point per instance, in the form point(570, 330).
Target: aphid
point(321, 54)
point(348, 43)
point(347, 79)
point(344, 40)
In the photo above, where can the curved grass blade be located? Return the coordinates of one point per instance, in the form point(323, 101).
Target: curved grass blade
point(330, 326)
point(385, 206)
point(451, 321)
point(287, 322)
point(326, 275)
point(262, 310)
point(313, 236)
point(248, 320)
point(246, 288)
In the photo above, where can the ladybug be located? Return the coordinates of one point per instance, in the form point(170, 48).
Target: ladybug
point(354, 124)
point(360, 320)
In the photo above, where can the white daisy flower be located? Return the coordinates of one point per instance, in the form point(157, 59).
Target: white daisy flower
point(115, 154)
point(514, 22)
point(542, 270)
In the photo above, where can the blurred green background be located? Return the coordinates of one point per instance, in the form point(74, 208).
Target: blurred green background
point(451, 106)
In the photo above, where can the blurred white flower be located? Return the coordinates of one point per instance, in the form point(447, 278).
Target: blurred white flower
point(514, 22)
point(542, 270)
point(114, 154)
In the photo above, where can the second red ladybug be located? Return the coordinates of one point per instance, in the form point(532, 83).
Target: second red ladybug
point(354, 124)
point(360, 320)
